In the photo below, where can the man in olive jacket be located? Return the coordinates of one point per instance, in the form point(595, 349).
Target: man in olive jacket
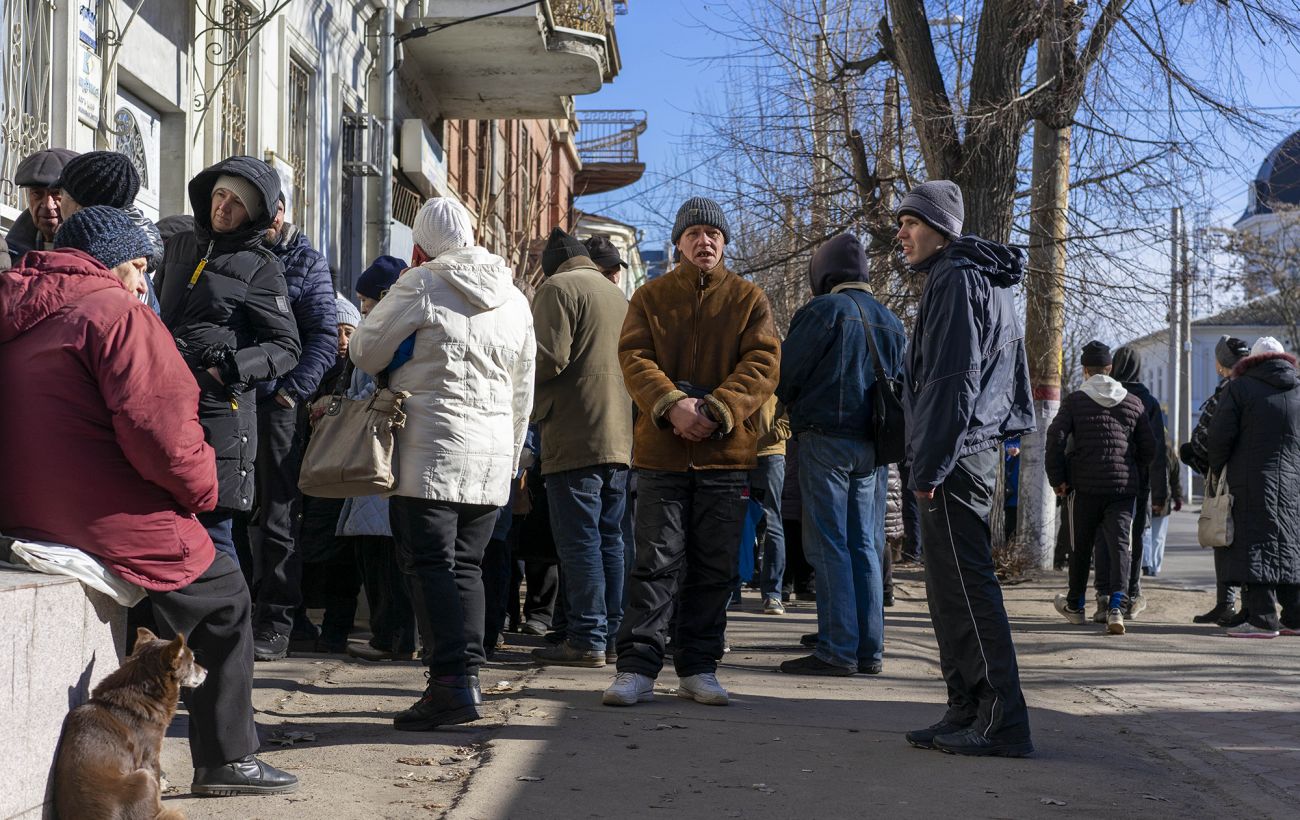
point(700, 357)
point(586, 432)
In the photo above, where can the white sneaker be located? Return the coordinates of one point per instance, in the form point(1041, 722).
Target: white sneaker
point(1115, 621)
point(773, 606)
point(703, 688)
point(628, 689)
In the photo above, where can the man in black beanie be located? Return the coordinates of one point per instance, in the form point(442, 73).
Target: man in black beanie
point(1100, 477)
point(1227, 352)
point(585, 419)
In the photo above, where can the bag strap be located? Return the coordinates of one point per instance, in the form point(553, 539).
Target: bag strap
point(344, 380)
point(871, 341)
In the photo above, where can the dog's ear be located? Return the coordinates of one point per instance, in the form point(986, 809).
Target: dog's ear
point(142, 637)
point(176, 650)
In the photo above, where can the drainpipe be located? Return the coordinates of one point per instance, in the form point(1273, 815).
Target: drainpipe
point(387, 66)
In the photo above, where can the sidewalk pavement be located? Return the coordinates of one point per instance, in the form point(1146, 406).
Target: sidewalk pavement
point(1170, 720)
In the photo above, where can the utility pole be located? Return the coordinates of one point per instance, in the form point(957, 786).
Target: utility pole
point(1172, 405)
point(1185, 396)
point(1045, 297)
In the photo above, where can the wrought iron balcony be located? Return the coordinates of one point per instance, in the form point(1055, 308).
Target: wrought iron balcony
point(607, 144)
point(586, 15)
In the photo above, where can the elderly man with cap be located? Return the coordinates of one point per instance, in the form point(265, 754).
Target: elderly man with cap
point(38, 175)
point(828, 373)
point(109, 405)
point(968, 390)
point(1194, 453)
point(224, 299)
point(585, 418)
point(1099, 453)
point(700, 355)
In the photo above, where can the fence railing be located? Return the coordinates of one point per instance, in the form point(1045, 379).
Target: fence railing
point(610, 135)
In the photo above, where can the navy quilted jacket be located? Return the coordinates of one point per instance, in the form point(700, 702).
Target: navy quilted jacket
point(311, 296)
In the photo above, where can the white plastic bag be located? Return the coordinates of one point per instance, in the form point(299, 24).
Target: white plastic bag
point(58, 559)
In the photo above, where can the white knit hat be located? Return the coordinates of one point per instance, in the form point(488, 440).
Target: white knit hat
point(442, 225)
point(246, 192)
point(1266, 344)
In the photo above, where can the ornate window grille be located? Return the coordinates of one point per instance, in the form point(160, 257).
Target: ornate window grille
point(233, 127)
point(128, 140)
point(299, 129)
point(25, 59)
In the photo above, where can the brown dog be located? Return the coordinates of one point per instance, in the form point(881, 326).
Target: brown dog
point(107, 764)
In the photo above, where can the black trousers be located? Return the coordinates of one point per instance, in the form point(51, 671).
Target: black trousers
point(1102, 526)
point(392, 619)
point(1262, 600)
point(688, 528)
point(976, 654)
point(1141, 517)
point(277, 570)
point(213, 615)
point(911, 515)
point(497, 570)
point(542, 591)
point(442, 543)
point(1226, 593)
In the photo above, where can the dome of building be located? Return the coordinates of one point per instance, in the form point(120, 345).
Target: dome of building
point(1278, 180)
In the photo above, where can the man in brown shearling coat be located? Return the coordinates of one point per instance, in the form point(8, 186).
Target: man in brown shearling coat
point(700, 356)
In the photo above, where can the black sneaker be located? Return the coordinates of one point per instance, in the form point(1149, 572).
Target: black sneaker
point(813, 665)
point(1231, 620)
point(808, 640)
point(924, 738)
point(566, 654)
point(1214, 615)
point(270, 646)
point(443, 704)
point(247, 775)
point(866, 667)
point(970, 741)
point(889, 599)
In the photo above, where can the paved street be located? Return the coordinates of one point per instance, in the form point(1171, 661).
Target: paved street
point(1170, 720)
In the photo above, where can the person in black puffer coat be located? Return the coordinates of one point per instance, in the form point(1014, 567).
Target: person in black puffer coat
point(1101, 476)
point(1255, 436)
point(1193, 453)
point(224, 299)
point(1128, 372)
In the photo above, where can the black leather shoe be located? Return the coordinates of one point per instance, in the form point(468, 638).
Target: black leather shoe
point(924, 738)
point(1213, 616)
point(870, 667)
point(270, 646)
point(808, 640)
point(247, 775)
point(1230, 619)
point(443, 704)
point(813, 665)
point(971, 741)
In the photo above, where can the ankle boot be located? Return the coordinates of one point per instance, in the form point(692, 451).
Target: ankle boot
point(1213, 616)
point(447, 700)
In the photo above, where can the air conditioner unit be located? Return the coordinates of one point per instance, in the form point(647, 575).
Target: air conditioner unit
point(363, 145)
point(422, 158)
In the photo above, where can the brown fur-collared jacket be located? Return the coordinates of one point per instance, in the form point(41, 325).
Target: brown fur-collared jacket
point(714, 330)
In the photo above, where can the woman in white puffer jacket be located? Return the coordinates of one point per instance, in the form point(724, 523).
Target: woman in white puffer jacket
point(470, 375)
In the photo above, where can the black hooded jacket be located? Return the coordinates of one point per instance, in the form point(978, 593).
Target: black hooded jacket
point(1255, 434)
point(239, 302)
point(1127, 371)
point(967, 372)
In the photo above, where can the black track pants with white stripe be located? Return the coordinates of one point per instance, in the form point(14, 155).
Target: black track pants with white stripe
point(976, 654)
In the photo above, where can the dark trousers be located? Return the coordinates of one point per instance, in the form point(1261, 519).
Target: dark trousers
point(497, 569)
point(334, 584)
point(1226, 593)
point(798, 572)
point(277, 573)
point(542, 592)
point(1262, 600)
point(911, 516)
point(213, 614)
point(1141, 518)
point(976, 655)
point(1103, 521)
point(392, 620)
point(688, 528)
point(220, 525)
point(443, 542)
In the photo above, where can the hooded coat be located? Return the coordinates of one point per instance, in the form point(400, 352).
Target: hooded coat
point(310, 287)
point(582, 407)
point(239, 300)
point(967, 372)
point(1127, 371)
point(101, 437)
point(1255, 433)
point(470, 376)
point(1112, 446)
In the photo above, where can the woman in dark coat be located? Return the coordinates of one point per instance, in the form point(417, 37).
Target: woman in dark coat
point(1255, 434)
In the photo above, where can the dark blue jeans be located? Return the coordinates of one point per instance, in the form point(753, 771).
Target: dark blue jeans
point(769, 478)
point(587, 507)
point(837, 479)
point(220, 525)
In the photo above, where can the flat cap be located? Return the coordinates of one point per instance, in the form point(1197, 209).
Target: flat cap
point(42, 169)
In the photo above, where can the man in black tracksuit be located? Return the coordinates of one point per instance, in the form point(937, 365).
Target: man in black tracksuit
point(1099, 452)
point(968, 391)
point(224, 299)
point(1127, 370)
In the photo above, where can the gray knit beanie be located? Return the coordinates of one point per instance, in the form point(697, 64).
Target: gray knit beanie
point(937, 203)
point(1230, 350)
point(700, 211)
point(105, 233)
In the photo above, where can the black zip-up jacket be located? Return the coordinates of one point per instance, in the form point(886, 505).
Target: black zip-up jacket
point(239, 301)
point(1113, 445)
point(966, 369)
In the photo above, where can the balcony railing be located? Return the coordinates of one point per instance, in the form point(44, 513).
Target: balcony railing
point(609, 136)
point(583, 15)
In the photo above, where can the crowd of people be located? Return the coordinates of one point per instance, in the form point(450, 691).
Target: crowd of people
point(620, 460)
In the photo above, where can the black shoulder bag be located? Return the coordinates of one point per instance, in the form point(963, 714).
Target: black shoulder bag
point(889, 426)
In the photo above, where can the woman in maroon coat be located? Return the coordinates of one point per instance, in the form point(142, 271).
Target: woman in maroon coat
point(101, 412)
